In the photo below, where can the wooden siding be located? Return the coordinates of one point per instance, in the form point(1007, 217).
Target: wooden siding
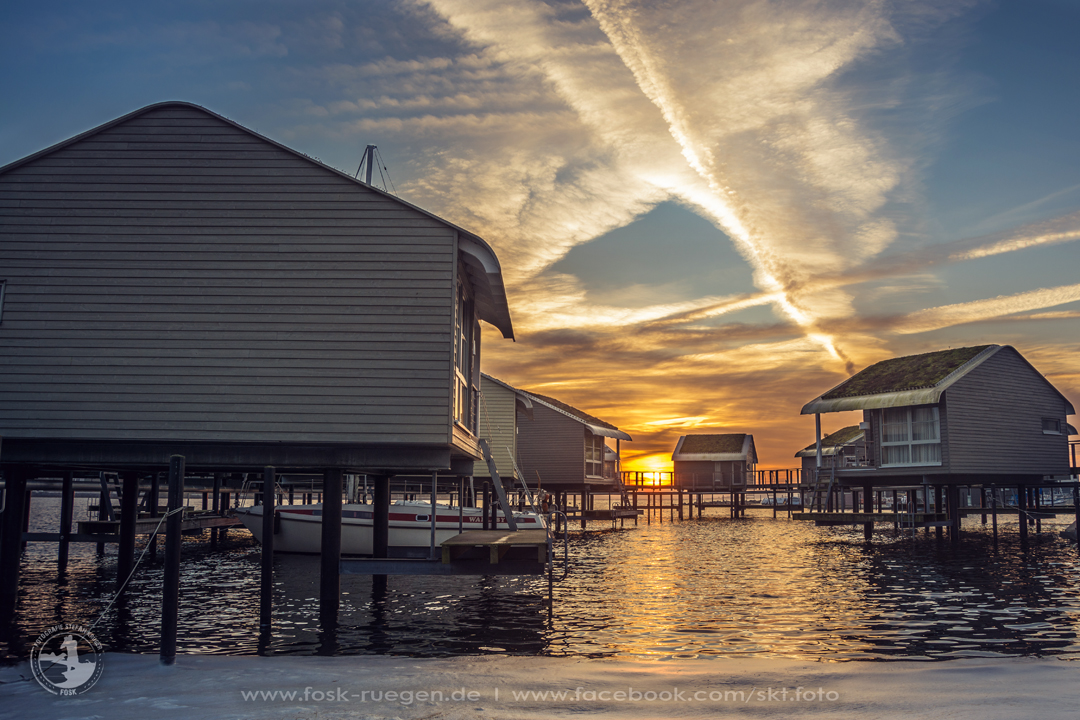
point(174, 277)
point(498, 423)
point(995, 420)
point(553, 445)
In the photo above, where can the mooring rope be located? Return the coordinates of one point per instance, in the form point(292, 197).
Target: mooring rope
point(146, 547)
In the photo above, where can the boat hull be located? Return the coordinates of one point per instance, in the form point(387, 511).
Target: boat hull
point(298, 528)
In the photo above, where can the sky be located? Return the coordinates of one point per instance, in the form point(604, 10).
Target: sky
point(708, 212)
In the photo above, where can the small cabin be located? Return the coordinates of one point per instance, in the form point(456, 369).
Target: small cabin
point(715, 462)
point(965, 415)
point(175, 283)
point(566, 450)
point(845, 448)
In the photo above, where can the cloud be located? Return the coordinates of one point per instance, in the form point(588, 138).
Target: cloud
point(979, 310)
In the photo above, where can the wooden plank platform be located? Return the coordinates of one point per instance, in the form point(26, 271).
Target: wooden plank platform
point(497, 543)
point(403, 566)
point(854, 518)
point(145, 526)
point(612, 514)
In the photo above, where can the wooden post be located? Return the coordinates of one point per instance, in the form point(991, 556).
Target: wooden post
point(434, 511)
point(329, 568)
point(266, 589)
point(584, 505)
point(67, 507)
point(485, 493)
point(152, 505)
point(11, 544)
point(1036, 501)
point(982, 503)
point(170, 590)
point(938, 530)
point(215, 507)
point(680, 504)
point(954, 513)
point(994, 511)
point(1021, 504)
point(868, 507)
point(129, 511)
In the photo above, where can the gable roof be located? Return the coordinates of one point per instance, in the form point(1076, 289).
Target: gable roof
point(478, 257)
point(715, 448)
point(594, 424)
point(911, 380)
point(902, 381)
point(832, 443)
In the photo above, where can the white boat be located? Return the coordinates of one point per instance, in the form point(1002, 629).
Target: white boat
point(299, 527)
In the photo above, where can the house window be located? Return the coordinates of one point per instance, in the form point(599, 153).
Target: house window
point(594, 455)
point(910, 436)
point(1051, 426)
point(464, 349)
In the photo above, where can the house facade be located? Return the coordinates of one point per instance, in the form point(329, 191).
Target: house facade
point(502, 408)
point(721, 462)
point(175, 283)
point(967, 415)
point(565, 449)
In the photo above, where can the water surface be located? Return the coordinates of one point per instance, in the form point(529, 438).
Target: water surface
point(711, 587)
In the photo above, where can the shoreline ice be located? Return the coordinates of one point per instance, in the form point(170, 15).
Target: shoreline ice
point(200, 687)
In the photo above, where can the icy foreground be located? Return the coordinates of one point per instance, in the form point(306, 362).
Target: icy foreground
point(205, 686)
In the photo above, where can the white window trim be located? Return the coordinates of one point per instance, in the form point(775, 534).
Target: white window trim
point(909, 443)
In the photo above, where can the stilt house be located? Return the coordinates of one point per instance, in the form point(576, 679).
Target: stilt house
point(845, 448)
point(722, 462)
point(565, 449)
point(174, 282)
point(970, 415)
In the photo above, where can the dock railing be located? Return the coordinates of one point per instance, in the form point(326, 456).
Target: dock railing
point(711, 482)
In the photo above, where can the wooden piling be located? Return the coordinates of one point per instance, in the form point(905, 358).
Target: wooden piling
point(266, 589)
point(330, 559)
point(170, 590)
point(994, 511)
point(1021, 502)
point(152, 496)
point(129, 511)
point(954, 513)
point(11, 542)
point(868, 506)
point(67, 511)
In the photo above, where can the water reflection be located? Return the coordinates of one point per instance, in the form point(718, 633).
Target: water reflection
point(697, 588)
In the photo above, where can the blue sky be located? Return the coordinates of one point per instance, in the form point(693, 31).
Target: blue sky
point(708, 212)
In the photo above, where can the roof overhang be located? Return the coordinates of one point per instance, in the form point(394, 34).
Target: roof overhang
point(594, 429)
point(485, 274)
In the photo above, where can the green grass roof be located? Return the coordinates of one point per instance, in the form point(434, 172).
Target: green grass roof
point(706, 444)
point(905, 373)
point(840, 437)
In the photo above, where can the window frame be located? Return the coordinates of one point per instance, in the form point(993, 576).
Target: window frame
point(594, 442)
point(1051, 431)
point(909, 442)
point(3, 286)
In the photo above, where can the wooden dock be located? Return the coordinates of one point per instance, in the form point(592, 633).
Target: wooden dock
point(825, 519)
point(474, 552)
